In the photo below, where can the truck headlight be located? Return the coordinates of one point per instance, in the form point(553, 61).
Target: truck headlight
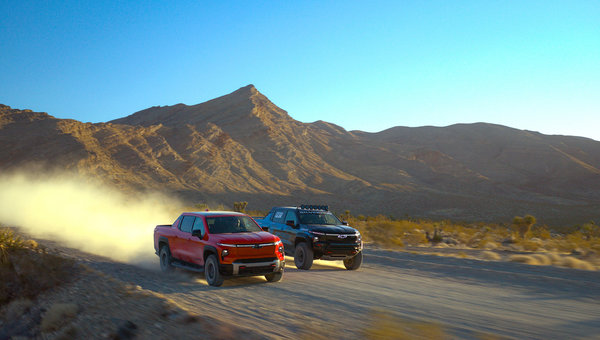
point(316, 235)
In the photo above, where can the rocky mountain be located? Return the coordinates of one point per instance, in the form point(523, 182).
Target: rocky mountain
point(241, 146)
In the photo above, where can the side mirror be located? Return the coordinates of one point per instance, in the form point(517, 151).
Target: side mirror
point(291, 224)
point(198, 233)
point(265, 228)
point(345, 222)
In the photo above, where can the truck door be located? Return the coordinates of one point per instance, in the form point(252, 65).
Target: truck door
point(289, 231)
point(277, 227)
point(182, 247)
point(196, 242)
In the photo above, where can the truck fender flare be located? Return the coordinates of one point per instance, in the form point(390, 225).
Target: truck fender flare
point(163, 240)
point(303, 237)
point(210, 249)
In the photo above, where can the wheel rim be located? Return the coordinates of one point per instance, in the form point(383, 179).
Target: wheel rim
point(210, 271)
point(163, 260)
point(301, 256)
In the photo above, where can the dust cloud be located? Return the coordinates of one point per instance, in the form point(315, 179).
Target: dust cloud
point(84, 214)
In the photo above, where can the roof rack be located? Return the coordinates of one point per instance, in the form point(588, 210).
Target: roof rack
point(314, 207)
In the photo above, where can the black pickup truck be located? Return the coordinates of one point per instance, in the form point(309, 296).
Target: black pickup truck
point(311, 232)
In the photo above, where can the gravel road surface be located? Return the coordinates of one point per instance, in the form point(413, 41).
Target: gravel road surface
point(468, 297)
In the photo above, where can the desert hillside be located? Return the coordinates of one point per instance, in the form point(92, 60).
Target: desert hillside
point(241, 146)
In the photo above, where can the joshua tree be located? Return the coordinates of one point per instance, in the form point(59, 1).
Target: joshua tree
point(240, 206)
point(522, 225)
point(436, 237)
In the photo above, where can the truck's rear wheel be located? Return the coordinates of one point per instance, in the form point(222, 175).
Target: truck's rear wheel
point(274, 277)
point(211, 271)
point(165, 259)
point(303, 256)
point(354, 263)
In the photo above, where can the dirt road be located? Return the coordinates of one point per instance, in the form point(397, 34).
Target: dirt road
point(468, 297)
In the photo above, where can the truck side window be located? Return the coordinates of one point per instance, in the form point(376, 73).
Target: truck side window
point(176, 223)
point(279, 216)
point(186, 224)
point(199, 225)
point(291, 216)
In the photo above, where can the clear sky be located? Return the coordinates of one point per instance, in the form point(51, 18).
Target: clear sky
point(366, 65)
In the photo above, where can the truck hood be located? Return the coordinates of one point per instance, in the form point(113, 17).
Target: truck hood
point(245, 238)
point(330, 229)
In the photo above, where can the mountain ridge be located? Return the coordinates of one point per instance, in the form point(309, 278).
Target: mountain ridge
point(241, 146)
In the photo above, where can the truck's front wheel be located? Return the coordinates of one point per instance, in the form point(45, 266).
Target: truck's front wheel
point(354, 263)
point(165, 259)
point(274, 277)
point(211, 271)
point(303, 256)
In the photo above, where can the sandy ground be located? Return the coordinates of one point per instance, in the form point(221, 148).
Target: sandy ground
point(468, 297)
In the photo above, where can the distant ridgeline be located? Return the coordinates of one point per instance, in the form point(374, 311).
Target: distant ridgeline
point(242, 147)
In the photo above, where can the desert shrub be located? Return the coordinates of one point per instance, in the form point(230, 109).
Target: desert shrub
point(490, 255)
point(384, 233)
point(572, 262)
point(529, 245)
point(527, 259)
point(590, 230)
point(490, 245)
point(542, 259)
point(58, 315)
point(414, 237)
point(201, 206)
point(9, 241)
point(541, 232)
point(555, 258)
point(578, 240)
point(16, 309)
point(26, 269)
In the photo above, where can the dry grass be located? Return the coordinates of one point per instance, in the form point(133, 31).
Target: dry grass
point(542, 259)
point(16, 308)
point(58, 315)
point(572, 262)
point(552, 259)
point(490, 245)
point(490, 256)
point(527, 259)
point(581, 241)
point(26, 270)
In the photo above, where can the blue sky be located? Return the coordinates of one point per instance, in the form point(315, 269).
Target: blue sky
point(531, 65)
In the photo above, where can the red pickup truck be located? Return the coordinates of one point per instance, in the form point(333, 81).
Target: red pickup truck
point(220, 244)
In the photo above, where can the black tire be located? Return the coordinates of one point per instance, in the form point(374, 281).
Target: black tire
point(303, 256)
point(354, 263)
point(165, 259)
point(274, 277)
point(211, 271)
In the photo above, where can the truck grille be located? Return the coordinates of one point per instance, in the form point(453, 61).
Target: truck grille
point(256, 270)
point(344, 239)
point(262, 259)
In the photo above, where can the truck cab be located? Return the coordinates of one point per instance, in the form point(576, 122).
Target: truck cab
point(311, 232)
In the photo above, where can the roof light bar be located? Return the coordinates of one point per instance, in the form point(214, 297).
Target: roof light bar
point(314, 207)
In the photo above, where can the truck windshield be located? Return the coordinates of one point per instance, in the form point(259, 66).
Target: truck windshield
point(231, 224)
point(318, 218)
